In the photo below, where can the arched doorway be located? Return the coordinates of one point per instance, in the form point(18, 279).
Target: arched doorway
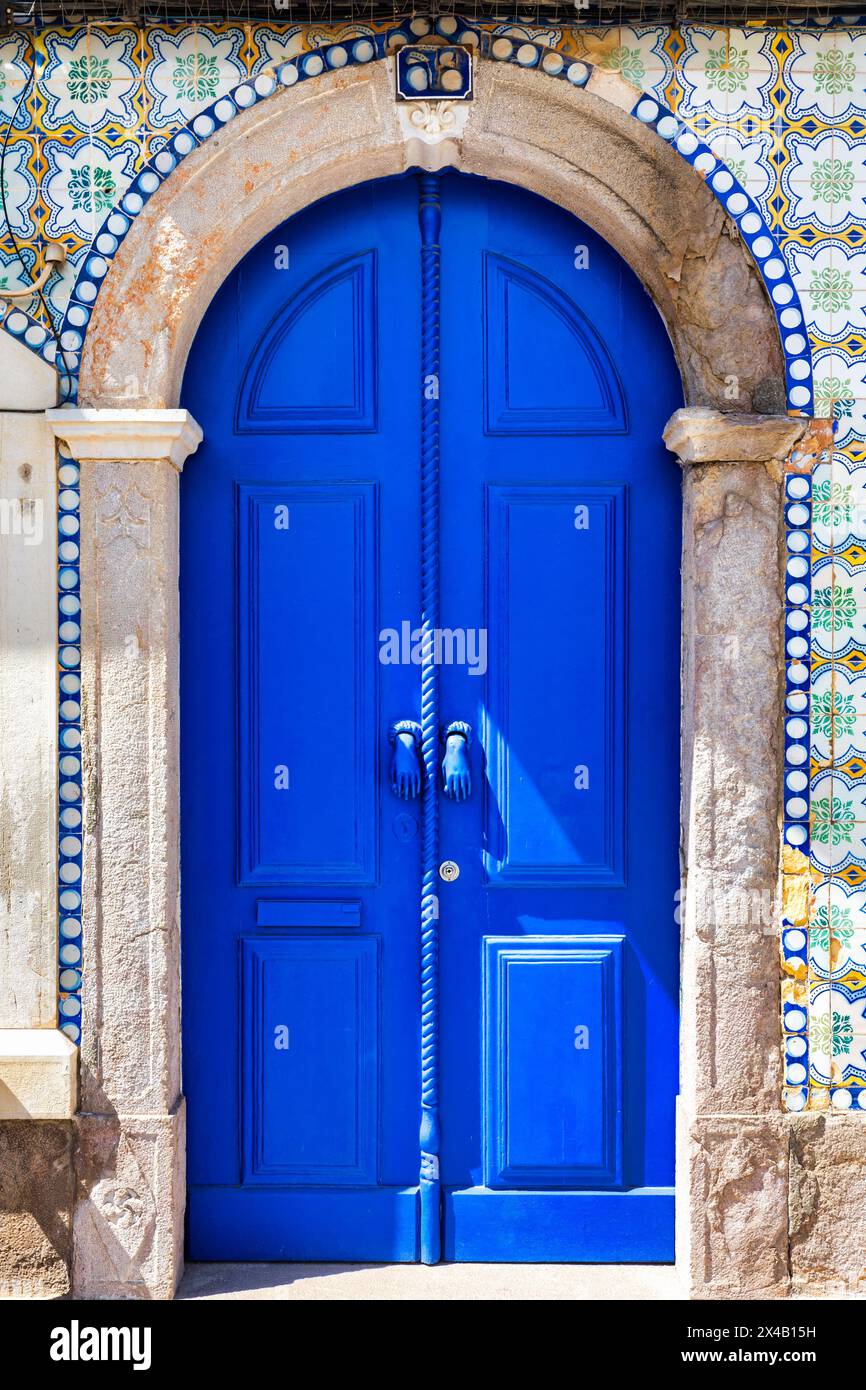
point(307, 538)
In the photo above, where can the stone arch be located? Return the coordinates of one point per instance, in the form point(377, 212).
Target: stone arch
point(579, 136)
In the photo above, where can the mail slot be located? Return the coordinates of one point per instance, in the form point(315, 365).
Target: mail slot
point(307, 914)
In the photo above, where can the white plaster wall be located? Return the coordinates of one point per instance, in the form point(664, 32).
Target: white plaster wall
point(26, 382)
point(28, 718)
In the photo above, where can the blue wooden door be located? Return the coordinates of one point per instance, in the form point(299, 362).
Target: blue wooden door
point(560, 560)
point(302, 547)
point(298, 543)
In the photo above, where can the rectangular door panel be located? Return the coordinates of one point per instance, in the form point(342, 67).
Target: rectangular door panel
point(307, 607)
point(553, 1061)
point(311, 1059)
point(326, 1223)
point(633, 1227)
point(555, 619)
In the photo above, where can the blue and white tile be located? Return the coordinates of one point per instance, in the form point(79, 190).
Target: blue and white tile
point(825, 180)
point(820, 1032)
point(832, 506)
point(748, 160)
point(837, 930)
point(825, 75)
point(60, 286)
point(831, 281)
point(838, 714)
point(727, 73)
point(16, 270)
point(836, 1036)
point(546, 34)
point(21, 191)
point(838, 822)
point(90, 78)
point(636, 53)
point(276, 46)
point(14, 73)
point(188, 70)
point(838, 607)
point(84, 181)
point(839, 505)
point(840, 392)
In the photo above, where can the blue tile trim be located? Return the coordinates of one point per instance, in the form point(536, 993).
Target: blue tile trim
point(69, 746)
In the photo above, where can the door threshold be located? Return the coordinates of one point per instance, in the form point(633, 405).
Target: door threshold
point(462, 1282)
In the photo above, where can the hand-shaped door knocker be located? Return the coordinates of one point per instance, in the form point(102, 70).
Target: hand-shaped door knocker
point(456, 777)
point(406, 766)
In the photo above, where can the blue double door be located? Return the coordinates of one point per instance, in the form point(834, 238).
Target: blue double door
point(304, 535)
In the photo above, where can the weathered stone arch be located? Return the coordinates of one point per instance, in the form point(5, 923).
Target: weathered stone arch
point(578, 147)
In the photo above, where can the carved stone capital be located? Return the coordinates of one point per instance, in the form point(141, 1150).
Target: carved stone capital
point(126, 435)
point(701, 435)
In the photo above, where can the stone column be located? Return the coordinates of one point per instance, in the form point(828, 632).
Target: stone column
point(129, 1161)
point(732, 1178)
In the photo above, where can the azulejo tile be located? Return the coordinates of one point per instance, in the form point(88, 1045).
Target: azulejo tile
point(838, 721)
point(545, 34)
point(838, 607)
point(728, 73)
point(14, 74)
point(824, 74)
point(820, 1031)
point(825, 180)
point(60, 286)
point(20, 183)
point(831, 281)
point(84, 181)
point(837, 1030)
point(840, 391)
point(830, 504)
point(838, 823)
point(638, 54)
point(839, 507)
point(15, 268)
point(90, 78)
point(69, 810)
point(276, 45)
point(838, 952)
point(188, 70)
point(747, 159)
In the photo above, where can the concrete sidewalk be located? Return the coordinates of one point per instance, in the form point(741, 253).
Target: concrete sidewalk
point(444, 1281)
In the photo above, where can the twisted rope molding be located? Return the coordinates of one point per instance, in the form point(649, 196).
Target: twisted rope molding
point(429, 219)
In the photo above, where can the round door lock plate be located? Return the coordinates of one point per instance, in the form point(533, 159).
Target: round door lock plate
point(448, 870)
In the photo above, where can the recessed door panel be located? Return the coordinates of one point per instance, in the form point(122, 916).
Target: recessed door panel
point(311, 1060)
point(308, 669)
point(556, 647)
point(552, 1062)
point(315, 367)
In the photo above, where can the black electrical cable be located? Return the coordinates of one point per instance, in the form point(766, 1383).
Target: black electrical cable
point(12, 237)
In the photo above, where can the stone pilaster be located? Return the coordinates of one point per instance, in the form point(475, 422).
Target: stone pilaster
point(129, 1167)
point(732, 1180)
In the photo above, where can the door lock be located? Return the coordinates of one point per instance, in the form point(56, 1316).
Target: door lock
point(448, 870)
